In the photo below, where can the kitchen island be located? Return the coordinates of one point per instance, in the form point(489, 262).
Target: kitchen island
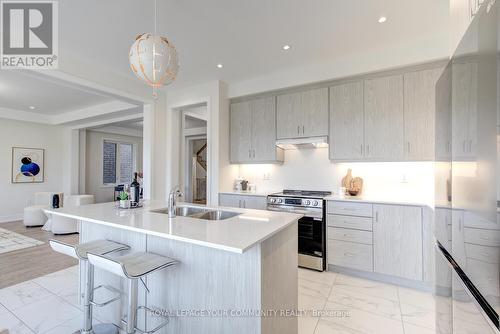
point(235, 275)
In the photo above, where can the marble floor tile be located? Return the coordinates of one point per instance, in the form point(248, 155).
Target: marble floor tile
point(412, 329)
point(307, 302)
point(314, 289)
point(49, 313)
point(307, 325)
point(415, 297)
point(367, 287)
point(419, 316)
point(315, 276)
point(357, 321)
point(3, 309)
point(22, 294)
point(13, 325)
point(69, 327)
point(353, 299)
point(59, 282)
point(72, 270)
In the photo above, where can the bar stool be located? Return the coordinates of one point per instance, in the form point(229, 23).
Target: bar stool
point(133, 267)
point(81, 252)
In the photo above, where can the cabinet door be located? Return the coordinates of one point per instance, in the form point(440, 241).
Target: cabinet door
point(443, 116)
point(264, 130)
point(315, 113)
point(384, 118)
point(397, 241)
point(419, 114)
point(230, 200)
point(464, 118)
point(346, 121)
point(254, 202)
point(289, 116)
point(240, 132)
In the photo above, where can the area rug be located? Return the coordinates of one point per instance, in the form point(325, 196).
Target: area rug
point(11, 241)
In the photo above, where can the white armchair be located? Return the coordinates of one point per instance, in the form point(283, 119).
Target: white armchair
point(63, 225)
point(34, 215)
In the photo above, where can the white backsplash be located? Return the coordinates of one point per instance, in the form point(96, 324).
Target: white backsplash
point(310, 169)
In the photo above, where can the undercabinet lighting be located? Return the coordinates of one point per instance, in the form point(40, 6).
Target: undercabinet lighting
point(32, 107)
point(219, 66)
point(382, 19)
point(286, 47)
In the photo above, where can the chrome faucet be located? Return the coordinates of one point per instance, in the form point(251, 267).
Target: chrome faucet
point(172, 201)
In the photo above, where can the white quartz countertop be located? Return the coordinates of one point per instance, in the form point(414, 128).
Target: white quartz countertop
point(376, 200)
point(249, 193)
point(236, 234)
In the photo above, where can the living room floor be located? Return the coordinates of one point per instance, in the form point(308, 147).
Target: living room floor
point(28, 263)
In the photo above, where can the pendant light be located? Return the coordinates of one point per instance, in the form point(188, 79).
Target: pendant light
point(153, 59)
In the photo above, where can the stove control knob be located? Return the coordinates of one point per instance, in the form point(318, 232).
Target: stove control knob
point(272, 200)
point(308, 202)
point(280, 200)
point(315, 203)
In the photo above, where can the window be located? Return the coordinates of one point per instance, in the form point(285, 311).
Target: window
point(117, 162)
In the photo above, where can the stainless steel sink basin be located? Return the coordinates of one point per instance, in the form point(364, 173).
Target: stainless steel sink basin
point(200, 213)
point(218, 215)
point(184, 211)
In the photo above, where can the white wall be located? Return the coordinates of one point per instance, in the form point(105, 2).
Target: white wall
point(93, 179)
point(310, 169)
point(13, 197)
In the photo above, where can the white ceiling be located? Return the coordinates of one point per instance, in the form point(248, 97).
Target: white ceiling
point(20, 90)
point(245, 36)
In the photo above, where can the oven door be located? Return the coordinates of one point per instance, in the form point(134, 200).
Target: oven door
point(311, 243)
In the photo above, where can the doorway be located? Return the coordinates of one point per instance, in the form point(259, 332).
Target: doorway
point(195, 162)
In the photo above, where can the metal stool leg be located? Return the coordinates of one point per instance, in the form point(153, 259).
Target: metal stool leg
point(132, 306)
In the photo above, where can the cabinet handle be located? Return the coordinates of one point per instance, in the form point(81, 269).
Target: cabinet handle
point(244, 203)
point(303, 129)
point(409, 147)
point(349, 254)
point(470, 145)
point(361, 149)
point(367, 150)
point(460, 225)
point(298, 129)
point(239, 203)
point(376, 217)
point(463, 147)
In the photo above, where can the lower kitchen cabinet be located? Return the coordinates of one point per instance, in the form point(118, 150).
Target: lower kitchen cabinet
point(397, 245)
point(243, 201)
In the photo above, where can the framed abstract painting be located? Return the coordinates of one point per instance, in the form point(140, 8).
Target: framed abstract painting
point(28, 165)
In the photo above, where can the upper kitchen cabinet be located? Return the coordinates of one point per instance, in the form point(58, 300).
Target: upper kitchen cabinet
point(303, 114)
point(443, 116)
point(384, 122)
point(253, 132)
point(346, 139)
point(464, 119)
point(419, 114)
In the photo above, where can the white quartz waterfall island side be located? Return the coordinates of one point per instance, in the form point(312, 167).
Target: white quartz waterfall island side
point(229, 271)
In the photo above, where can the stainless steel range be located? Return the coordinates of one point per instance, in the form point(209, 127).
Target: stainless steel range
point(312, 227)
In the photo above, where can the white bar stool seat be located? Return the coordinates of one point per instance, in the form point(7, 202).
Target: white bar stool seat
point(133, 267)
point(81, 252)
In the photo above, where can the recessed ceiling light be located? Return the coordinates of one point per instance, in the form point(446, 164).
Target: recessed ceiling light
point(219, 66)
point(286, 47)
point(382, 19)
point(32, 107)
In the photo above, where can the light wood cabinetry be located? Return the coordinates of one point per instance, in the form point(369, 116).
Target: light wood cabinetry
point(253, 132)
point(419, 114)
point(464, 119)
point(384, 118)
point(243, 201)
point(302, 114)
point(346, 139)
point(397, 246)
point(443, 116)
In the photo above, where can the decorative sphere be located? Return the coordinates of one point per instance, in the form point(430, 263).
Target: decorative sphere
point(30, 169)
point(154, 60)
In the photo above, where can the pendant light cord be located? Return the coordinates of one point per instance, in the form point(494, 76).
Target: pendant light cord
point(155, 95)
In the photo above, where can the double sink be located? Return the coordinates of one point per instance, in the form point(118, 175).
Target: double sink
point(200, 213)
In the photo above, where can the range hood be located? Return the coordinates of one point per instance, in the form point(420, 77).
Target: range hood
point(298, 143)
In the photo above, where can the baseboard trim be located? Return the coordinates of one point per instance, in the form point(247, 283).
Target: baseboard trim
point(11, 218)
point(418, 285)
